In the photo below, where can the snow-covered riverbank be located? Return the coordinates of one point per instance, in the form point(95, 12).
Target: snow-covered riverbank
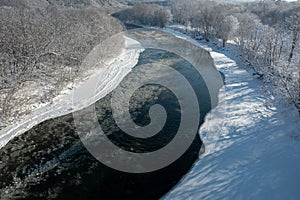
point(110, 73)
point(252, 143)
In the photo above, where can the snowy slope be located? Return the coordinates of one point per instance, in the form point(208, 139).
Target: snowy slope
point(252, 144)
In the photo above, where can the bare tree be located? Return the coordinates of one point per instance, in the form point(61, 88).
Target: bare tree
point(184, 11)
point(294, 26)
point(227, 28)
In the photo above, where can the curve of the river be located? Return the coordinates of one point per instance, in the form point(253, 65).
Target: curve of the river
point(44, 157)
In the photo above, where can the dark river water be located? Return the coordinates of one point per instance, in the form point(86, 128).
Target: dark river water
point(49, 161)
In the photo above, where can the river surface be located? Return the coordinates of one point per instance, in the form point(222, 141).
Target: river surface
point(49, 161)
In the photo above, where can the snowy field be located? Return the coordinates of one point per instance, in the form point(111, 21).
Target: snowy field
point(252, 143)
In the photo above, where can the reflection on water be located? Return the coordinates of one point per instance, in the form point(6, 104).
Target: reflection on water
point(49, 161)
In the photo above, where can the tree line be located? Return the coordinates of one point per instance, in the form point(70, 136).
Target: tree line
point(147, 14)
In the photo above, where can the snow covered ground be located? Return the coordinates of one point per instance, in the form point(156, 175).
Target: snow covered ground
point(110, 73)
point(252, 143)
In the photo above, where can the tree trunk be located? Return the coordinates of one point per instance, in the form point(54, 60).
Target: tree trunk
point(292, 50)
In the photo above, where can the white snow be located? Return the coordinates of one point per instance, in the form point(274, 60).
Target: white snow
point(111, 74)
point(252, 144)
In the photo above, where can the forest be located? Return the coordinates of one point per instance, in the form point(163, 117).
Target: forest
point(42, 46)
